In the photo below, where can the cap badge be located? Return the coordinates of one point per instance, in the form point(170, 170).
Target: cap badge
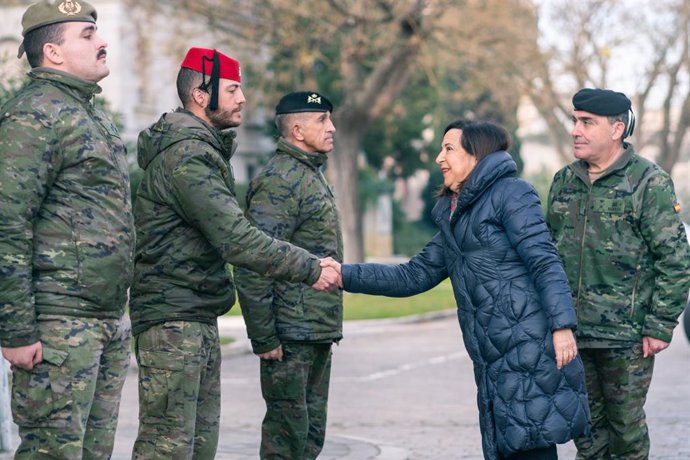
point(69, 8)
point(313, 99)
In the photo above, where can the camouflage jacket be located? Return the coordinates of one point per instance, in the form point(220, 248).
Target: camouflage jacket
point(291, 200)
point(189, 225)
point(624, 249)
point(66, 228)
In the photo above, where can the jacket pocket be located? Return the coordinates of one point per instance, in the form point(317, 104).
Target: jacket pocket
point(161, 387)
point(42, 397)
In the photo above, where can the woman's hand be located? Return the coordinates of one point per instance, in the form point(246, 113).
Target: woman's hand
point(565, 346)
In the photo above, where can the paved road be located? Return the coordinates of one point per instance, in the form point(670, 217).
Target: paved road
point(405, 391)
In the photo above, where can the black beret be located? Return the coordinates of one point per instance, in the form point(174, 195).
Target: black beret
point(601, 101)
point(303, 101)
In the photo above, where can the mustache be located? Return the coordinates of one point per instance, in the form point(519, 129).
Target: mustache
point(102, 52)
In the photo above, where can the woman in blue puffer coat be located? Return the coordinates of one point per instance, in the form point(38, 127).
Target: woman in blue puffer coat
point(514, 303)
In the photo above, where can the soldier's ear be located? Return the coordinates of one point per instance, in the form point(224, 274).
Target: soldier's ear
point(618, 131)
point(200, 97)
point(52, 54)
point(296, 131)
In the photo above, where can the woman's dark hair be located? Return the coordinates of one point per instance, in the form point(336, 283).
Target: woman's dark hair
point(457, 124)
point(482, 138)
point(479, 139)
point(35, 39)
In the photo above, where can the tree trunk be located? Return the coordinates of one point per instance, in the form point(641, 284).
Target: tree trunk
point(344, 176)
point(6, 444)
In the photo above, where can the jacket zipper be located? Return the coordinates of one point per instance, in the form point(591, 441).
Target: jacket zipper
point(582, 253)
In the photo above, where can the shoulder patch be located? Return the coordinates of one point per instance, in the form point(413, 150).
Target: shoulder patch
point(676, 207)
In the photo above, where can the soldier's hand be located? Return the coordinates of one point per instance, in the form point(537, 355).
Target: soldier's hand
point(275, 354)
point(25, 357)
point(330, 276)
point(652, 346)
point(565, 346)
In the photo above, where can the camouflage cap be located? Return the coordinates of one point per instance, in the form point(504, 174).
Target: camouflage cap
point(48, 12)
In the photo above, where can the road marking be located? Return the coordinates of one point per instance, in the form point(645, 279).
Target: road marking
point(386, 373)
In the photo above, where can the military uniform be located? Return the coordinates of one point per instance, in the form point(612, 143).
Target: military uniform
point(66, 248)
point(291, 200)
point(189, 226)
point(627, 259)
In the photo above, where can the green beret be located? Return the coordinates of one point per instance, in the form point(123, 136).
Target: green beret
point(303, 101)
point(601, 101)
point(48, 12)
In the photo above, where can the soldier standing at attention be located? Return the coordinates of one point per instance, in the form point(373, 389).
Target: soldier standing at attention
point(292, 328)
point(189, 226)
point(66, 241)
point(614, 218)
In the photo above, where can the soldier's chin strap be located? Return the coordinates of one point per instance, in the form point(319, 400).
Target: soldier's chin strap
point(213, 80)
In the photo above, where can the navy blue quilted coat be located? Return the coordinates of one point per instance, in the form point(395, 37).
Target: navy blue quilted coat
point(511, 292)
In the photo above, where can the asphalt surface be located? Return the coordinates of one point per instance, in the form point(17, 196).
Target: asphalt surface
point(404, 390)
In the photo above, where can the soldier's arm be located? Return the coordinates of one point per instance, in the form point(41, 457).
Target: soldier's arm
point(664, 234)
point(204, 200)
point(272, 207)
point(27, 155)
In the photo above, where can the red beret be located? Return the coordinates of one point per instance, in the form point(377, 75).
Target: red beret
point(201, 60)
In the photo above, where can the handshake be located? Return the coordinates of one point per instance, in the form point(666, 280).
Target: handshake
point(331, 277)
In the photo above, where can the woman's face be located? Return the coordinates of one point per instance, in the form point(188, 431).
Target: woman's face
point(455, 163)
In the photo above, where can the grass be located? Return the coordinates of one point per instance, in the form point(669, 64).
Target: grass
point(361, 306)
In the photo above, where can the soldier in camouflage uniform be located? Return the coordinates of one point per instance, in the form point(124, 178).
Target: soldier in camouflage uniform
point(189, 226)
point(614, 218)
point(292, 328)
point(66, 242)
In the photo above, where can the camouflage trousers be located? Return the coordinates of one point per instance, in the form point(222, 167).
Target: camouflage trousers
point(66, 407)
point(179, 391)
point(296, 394)
point(617, 383)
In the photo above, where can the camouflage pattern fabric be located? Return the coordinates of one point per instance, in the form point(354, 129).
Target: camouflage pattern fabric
point(291, 200)
point(624, 250)
point(189, 226)
point(296, 394)
point(617, 381)
point(179, 391)
point(66, 227)
point(66, 407)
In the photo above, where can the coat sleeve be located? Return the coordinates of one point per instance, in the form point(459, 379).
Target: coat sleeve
point(424, 271)
point(273, 208)
point(521, 215)
point(204, 200)
point(29, 159)
point(665, 237)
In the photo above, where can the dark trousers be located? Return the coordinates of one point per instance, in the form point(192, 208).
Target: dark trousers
point(547, 453)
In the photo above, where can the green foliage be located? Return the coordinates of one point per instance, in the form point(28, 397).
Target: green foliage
point(371, 186)
point(410, 237)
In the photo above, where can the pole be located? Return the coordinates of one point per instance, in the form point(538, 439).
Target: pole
point(5, 414)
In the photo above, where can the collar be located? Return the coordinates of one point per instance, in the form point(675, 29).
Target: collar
point(315, 160)
point(580, 167)
point(82, 89)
